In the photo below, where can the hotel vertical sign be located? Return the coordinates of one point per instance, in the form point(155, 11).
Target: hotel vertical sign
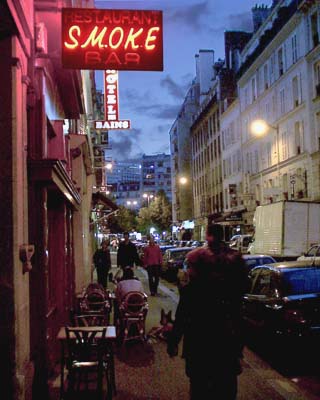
point(111, 95)
point(127, 40)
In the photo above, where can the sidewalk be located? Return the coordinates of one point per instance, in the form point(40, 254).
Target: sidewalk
point(145, 372)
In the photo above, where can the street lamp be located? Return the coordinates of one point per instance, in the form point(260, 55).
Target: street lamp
point(132, 203)
point(260, 127)
point(183, 180)
point(148, 197)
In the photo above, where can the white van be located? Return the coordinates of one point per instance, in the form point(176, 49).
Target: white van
point(241, 243)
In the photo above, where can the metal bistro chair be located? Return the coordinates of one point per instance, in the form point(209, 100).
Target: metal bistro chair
point(85, 362)
point(96, 300)
point(133, 310)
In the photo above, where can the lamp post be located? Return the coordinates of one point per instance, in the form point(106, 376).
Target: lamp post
point(260, 127)
point(148, 197)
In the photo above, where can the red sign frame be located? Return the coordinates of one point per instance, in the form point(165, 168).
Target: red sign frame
point(124, 40)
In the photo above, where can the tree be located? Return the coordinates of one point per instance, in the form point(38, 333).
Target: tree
point(144, 221)
point(157, 215)
point(124, 221)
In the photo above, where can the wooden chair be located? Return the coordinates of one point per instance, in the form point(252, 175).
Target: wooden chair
point(91, 319)
point(85, 357)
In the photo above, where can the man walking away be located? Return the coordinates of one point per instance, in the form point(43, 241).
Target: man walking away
point(102, 263)
point(152, 260)
point(127, 255)
point(209, 317)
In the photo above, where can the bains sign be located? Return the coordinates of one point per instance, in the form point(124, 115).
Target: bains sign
point(112, 39)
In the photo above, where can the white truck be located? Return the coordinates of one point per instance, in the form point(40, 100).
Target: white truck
point(285, 229)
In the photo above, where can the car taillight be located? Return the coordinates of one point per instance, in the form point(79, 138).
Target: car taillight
point(294, 316)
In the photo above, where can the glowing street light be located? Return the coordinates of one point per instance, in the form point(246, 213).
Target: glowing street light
point(260, 127)
point(132, 203)
point(148, 197)
point(183, 180)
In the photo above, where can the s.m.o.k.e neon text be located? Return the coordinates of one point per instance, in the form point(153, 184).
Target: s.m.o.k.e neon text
point(112, 39)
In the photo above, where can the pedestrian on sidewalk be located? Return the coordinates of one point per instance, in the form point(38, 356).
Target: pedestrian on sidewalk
point(208, 316)
point(127, 255)
point(152, 260)
point(102, 263)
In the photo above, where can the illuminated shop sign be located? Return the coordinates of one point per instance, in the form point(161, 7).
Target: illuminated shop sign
point(111, 95)
point(130, 40)
point(122, 124)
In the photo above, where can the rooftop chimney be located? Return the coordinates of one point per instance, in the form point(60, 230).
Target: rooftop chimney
point(259, 14)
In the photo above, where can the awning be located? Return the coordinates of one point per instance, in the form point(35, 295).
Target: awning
point(232, 216)
point(100, 198)
point(52, 173)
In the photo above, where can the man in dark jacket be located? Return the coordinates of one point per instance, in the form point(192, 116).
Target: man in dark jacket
point(102, 263)
point(127, 255)
point(208, 316)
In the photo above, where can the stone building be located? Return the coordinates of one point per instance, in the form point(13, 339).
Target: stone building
point(45, 192)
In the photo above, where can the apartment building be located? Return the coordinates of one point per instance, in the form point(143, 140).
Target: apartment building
point(277, 83)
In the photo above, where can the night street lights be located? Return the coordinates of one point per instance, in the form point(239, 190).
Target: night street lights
point(183, 180)
point(132, 203)
point(260, 127)
point(148, 197)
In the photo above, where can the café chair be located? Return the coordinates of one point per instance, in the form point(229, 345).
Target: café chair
point(85, 358)
point(96, 300)
point(91, 319)
point(133, 310)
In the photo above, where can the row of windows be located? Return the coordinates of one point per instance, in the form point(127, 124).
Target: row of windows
point(280, 61)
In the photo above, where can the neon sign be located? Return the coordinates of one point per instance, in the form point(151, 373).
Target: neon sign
point(128, 40)
point(111, 103)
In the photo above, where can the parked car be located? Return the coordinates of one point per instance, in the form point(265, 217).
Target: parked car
point(198, 243)
point(163, 248)
point(253, 260)
point(312, 254)
point(241, 243)
point(284, 301)
point(173, 261)
point(234, 238)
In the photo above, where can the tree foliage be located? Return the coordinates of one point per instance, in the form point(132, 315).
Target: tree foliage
point(124, 221)
point(157, 215)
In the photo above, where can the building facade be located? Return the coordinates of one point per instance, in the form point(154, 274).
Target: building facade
point(277, 84)
point(45, 192)
point(155, 176)
point(124, 182)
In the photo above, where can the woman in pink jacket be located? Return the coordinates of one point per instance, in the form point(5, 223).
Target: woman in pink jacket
point(152, 260)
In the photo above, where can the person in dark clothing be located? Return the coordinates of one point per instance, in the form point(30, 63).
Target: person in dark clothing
point(127, 255)
point(102, 263)
point(208, 316)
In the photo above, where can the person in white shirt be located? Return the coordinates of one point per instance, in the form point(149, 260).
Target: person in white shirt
point(128, 283)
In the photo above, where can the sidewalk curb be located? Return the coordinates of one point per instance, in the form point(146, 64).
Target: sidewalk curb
point(282, 385)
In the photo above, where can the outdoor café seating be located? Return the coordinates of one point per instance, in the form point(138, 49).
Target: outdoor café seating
point(84, 360)
point(87, 356)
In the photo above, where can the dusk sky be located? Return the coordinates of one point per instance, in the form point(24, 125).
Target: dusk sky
point(151, 100)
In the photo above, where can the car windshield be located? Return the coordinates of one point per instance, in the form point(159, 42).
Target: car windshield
point(302, 281)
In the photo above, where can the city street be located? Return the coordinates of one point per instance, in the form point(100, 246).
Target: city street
point(145, 372)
